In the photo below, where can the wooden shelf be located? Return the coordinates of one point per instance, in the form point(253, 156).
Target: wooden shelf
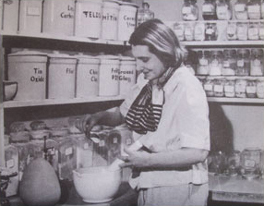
point(257, 43)
point(47, 102)
point(236, 100)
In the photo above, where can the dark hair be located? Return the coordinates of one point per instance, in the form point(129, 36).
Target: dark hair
point(161, 41)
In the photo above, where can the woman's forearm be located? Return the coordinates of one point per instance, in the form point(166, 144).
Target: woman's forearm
point(110, 118)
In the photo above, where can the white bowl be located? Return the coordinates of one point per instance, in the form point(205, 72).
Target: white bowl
point(97, 184)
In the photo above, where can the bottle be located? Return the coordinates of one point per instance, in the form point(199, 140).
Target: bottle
point(209, 10)
point(240, 10)
point(223, 10)
point(190, 11)
point(254, 9)
point(144, 14)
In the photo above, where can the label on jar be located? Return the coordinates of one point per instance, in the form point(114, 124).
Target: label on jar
point(251, 89)
point(102, 143)
point(10, 163)
point(208, 8)
point(68, 151)
point(249, 163)
point(226, 64)
point(218, 88)
point(253, 33)
point(203, 62)
point(86, 146)
point(240, 7)
point(208, 87)
point(186, 10)
point(229, 88)
point(254, 9)
point(240, 63)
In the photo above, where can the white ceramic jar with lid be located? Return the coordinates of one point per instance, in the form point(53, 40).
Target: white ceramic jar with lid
point(127, 75)
point(87, 83)
point(28, 68)
point(58, 17)
point(126, 20)
point(109, 76)
point(10, 15)
point(30, 16)
point(61, 76)
point(110, 20)
point(88, 18)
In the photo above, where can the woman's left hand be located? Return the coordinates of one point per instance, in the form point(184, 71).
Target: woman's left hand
point(138, 159)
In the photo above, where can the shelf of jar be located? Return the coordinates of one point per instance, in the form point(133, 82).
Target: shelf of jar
point(248, 43)
point(235, 100)
point(64, 38)
point(48, 102)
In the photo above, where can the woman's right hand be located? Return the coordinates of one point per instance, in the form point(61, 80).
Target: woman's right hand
point(86, 123)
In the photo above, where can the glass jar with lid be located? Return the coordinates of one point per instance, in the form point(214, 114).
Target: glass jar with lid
point(190, 11)
point(208, 86)
point(178, 29)
point(144, 14)
point(254, 9)
point(216, 63)
point(229, 62)
point(199, 31)
point(242, 31)
point(233, 161)
point(243, 62)
point(250, 163)
point(223, 10)
point(229, 87)
point(209, 10)
point(240, 88)
point(240, 9)
point(256, 63)
point(219, 83)
point(211, 31)
point(189, 31)
point(261, 30)
point(203, 62)
point(251, 88)
point(260, 87)
point(231, 31)
point(262, 9)
point(253, 31)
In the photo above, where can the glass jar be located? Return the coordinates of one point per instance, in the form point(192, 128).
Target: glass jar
point(199, 31)
point(250, 163)
point(261, 30)
point(211, 32)
point(229, 62)
point(208, 86)
point(262, 9)
point(190, 11)
point(240, 9)
point(253, 31)
point(218, 162)
point(144, 14)
point(178, 29)
point(242, 31)
point(260, 88)
point(251, 88)
point(219, 83)
point(189, 31)
point(233, 162)
point(223, 10)
point(203, 62)
point(256, 63)
point(229, 87)
point(240, 88)
point(243, 62)
point(209, 10)
point(254, 9)
point(231, 31)
point(215, 63)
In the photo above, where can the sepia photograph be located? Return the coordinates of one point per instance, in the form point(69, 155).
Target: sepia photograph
point(132, 102)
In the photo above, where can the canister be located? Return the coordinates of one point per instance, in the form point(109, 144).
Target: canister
point(30, 16)
point(110, 20)
point(10, 15)
point(87, 84)
point(127, 75)
point(109, 76)
point(28, 68)
point(126, 20)
point(88, 18)
point(58, 17)
point(61, 76)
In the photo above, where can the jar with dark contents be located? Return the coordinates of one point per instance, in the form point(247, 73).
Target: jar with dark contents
point(243, 62)
point(229, 87)
point(209, 86)
point(209, 10)
point(256, 63)
point(219, 83)
point(251, 88)
point(240, 88)
point(190, 11)
point(211, 31)
point(203, 62)
point(229, 62)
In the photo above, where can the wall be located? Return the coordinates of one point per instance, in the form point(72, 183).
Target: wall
point(246, 121)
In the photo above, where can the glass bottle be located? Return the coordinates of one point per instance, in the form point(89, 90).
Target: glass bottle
point(208, 86)
point(144, 14)
point(231, 31)
point(203, 62)
point(209, 10)
point(178, 29)
point(242, 31)
point(261, 30)
point(243, 62)
point(254, 9)
point(251, 88)
point(189, 31)
point(240, 9)
point(219, 86)
point(229, 62)
point(233, 163)
point(253, 31)
point(211, 32)
point(256, 62)
point(199, 31)
point(223, 10)
point(240, 88)
point(229, 87)
point(215, 63)
point(190, 11)
point(260, 87)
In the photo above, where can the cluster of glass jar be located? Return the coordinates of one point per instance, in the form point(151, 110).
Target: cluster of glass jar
point(230, 62)
point(236, 87)
point(223, 10)
point(245, 30)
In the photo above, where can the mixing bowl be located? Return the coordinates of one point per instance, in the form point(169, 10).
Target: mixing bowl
point(97, 184)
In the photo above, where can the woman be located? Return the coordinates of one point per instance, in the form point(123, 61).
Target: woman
point(169, 116)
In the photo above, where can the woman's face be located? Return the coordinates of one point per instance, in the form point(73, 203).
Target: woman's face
point(148, 63)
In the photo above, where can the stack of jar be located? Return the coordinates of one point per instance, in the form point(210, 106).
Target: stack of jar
point(109, 19)
point(59, 76)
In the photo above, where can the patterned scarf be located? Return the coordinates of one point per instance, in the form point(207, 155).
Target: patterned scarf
point(145, 112)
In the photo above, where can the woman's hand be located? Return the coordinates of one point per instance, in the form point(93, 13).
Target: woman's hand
point(86, 123)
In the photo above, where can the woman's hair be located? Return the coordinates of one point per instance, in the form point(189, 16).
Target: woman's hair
point(161, 41)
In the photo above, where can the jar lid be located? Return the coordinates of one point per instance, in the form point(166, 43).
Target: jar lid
point(109, 59)
point(90, 1)
point(62, 58)
point(28, 56)
point(26, 52)
point(111, 4)
point(87, 59)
